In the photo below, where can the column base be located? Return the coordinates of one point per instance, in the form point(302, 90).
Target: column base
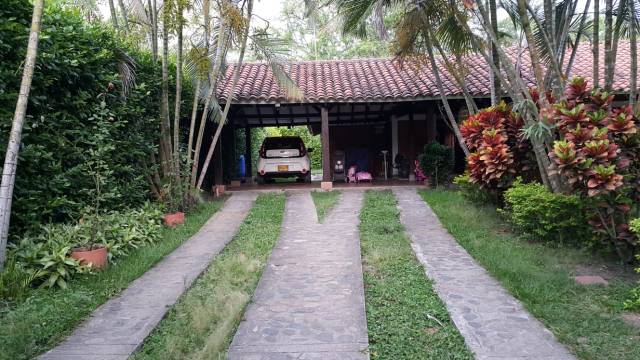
point(326, 185)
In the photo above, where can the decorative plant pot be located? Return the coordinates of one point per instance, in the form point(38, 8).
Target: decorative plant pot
point(174, 219)
point(96, 257)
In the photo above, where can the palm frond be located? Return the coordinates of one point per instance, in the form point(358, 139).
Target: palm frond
point(272, 50)
point(126, 70)
point(354, 14)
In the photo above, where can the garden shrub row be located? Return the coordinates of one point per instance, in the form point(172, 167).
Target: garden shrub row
point(42, 256)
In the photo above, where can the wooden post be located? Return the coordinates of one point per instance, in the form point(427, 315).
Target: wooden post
point(218, 170)
point(431, 123)
point(247, 155)
point(326, 152)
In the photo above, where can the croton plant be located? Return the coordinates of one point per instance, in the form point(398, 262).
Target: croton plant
point(597, 155)
point(498, 148)
point(595, 148)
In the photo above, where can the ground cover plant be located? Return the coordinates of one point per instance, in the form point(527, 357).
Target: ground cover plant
point(585, 318)
point(202, 323)
point(405, 317)
point(324, 201)
point(45, 316)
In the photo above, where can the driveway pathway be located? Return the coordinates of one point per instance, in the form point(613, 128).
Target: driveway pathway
point(118, 327)
point(494, 324)
point(309, 303)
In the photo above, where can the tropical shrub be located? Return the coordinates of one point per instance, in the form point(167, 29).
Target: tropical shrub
point(499, 151)
point(633, 303)
point(597, 155)
point(545, 215)
point(44, 254)
point(472, 191)
point(436, 161)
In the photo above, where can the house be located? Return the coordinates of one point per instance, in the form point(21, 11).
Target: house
point(365, 106)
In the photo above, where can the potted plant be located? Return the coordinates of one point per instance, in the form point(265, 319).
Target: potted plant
point(174, 205)
point(89, 246)
point(401, 163)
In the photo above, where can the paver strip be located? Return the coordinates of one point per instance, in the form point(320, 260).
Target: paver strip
point(309, 303)
point(119, 326)
point(494, 324)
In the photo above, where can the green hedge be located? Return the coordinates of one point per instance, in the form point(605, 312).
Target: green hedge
point(77, 61)
point(546, 216)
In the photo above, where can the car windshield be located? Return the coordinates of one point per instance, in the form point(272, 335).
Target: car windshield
point(282, 143)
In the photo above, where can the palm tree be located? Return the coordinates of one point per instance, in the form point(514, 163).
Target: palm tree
point(608, 45)
point(11, 157)
point(634, 55)
point(178, 99)
point(495, 93)
point(125, 16)
point(596, 43)
point(114, 15)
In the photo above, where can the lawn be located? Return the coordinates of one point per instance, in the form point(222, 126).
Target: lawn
point(46, 316)
point(586, 318)
point(324, 201)
point(202, 323)
point(405, 317)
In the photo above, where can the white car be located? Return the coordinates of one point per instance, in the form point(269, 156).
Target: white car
point(284, 156)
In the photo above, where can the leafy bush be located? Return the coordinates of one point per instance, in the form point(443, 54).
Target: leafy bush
point(45, 254)
point(473, 191)
point(633, 303)
point(436, 161)
point(498, 148)
point(547, 216)
point(77, 61)
point(597, 154)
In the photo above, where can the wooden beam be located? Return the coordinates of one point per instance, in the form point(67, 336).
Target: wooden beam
point(326, 153)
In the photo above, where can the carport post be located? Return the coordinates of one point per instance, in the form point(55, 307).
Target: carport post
point(326, 184)
point(247, 156)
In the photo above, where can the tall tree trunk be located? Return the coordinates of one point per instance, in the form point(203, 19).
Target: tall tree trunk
point(165, 121)
point(596, 43)
point(194, 116)
point(221, 45)
point(176, 116)
point(608, 45)
point(154, 29)
point(114, 15)
point(196, 94)
point(229, 100)
point(633, 43)
point(443, 97)
point(11, 157)
point(496, 92)
point(125, 16)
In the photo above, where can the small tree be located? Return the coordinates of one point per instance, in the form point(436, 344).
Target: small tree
point(437, 162)
point(11, 158)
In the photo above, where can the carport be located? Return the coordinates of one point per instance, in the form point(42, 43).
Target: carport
point(360, 106)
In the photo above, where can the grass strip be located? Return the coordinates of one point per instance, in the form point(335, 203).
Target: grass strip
point(405, 317)
point(324, 201)
point(46, 316)
point(202, 323)
point(586, 318)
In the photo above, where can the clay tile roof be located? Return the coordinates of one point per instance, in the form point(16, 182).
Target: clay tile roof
point(378, 80)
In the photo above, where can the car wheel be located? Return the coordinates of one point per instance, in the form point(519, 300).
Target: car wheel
point(260, 180)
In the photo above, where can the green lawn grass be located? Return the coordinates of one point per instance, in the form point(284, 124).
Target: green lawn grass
point(405, 317)
point(202, 323)
point(324, 201)
point(46, 316)
point(586, 318)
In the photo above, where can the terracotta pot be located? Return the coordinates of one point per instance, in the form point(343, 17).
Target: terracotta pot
point(174, 219)
point(96, 257)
